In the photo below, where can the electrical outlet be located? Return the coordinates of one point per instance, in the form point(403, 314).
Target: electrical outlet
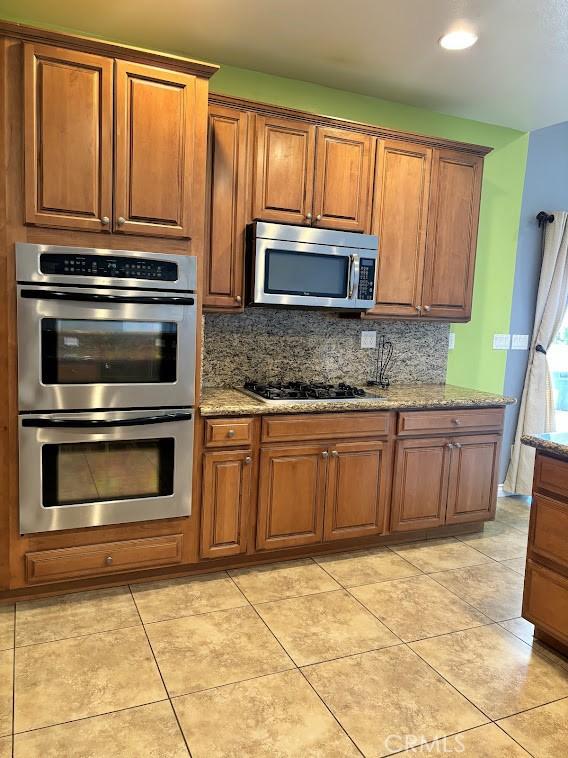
point(501, 341)
point(520, 342)
point(369, 339)
point(451, 340)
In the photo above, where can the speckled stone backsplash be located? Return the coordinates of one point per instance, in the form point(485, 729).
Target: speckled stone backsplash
point(268, 344)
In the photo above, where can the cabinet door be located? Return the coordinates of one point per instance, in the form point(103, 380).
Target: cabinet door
point(291, 496)
point(283, 181)
point(155, 111)
point(225, 224)
point(343, 180)
point(225, 502)
point(472, 494)
point(358, 489)
point(402, 188)
point(452, 234)
point(420, 488)
point(68, 138)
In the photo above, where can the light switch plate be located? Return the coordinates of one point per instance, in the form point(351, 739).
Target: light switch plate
point(368, 339)
point(501, 341)
point(451, 340)
point(520, 342)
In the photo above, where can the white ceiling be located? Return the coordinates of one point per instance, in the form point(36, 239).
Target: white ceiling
point(516, 75)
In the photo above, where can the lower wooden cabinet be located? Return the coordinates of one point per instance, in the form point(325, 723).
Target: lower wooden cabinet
point(226, 502)
point(358, 488)
point(291, 496)
point(545, 601)
point(444, 481)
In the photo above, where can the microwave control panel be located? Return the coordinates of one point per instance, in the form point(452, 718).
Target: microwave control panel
point(366, 279)
point(106, 266)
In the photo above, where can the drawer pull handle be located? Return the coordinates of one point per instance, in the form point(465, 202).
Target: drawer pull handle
point(108, 560)
point(231, 433)
point(248, 460)
point(456, 421)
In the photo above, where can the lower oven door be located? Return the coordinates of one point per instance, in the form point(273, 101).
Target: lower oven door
point(90, 469)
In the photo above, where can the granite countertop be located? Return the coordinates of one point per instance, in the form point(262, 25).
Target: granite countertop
point(553, 442)
point(220, 401)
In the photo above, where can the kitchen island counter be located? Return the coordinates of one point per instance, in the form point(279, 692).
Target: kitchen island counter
point(554, 443)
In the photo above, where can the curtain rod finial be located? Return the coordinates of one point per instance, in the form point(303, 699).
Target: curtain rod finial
point(544, 218)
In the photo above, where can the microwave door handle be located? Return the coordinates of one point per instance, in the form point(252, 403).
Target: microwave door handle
point(51, 423)
point(85, 297)
point(354, 275)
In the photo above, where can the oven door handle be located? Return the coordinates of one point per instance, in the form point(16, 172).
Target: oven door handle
point(50, 423)
point(84, 297)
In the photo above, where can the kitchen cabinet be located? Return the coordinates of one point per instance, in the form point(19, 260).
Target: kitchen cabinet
point(312, 175)
point(358, 489)
point(226, 208)
point(452, 235)
point(68, 137)
point(441, 480)
point(77, 105)
point(400, 216)
point(291, 495)
point(226, 502)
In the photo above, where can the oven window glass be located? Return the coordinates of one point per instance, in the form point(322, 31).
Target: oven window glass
point(107, 352)
point(91, 472)
point(308, 274)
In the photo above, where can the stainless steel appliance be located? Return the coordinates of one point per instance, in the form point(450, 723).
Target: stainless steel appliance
point(102, 329)
point(90, 469)
point(273, 392)
point(306, 267)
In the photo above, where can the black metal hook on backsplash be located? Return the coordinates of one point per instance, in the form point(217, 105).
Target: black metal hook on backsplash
point(384, 359)
point(544, 218)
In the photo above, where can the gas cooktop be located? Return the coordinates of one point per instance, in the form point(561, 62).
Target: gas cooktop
point(303, 391)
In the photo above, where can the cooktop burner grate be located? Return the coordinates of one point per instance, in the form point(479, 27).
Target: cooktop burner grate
point(304, 390)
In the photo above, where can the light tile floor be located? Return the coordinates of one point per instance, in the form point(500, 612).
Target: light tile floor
point(417, 649)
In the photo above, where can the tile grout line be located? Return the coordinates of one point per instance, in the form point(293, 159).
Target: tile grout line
point(510, 736)
point(160, 674)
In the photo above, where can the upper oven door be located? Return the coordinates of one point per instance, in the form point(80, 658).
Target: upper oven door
point(304, 274)
point(83, 348)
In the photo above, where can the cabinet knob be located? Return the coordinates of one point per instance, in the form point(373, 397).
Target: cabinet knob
point(325, 454)
point(238, 299)
point(231, 433)
point(318, 217)
point(308, 216)
point(456, 422)
point(427, 308)
point(458, 445)
point(418, 308)
point(105, 220)
point(449, 445)
point(121, 220)
point(248, 459)
point(335, 453)
point(108, 560)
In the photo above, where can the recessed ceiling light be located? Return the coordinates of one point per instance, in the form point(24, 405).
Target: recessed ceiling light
point(458, 40)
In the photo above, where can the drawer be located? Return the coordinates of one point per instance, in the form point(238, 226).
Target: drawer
point(545, 601)
point(325, 426)
point(551, 475)
point(227, 432)
point(430, 422)
point(105, 558)
point(549, 530)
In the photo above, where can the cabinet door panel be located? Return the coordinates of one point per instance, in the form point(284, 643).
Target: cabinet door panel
point(402, 188)
point(420, 484)
point(68, 138)
point(452, 234)
point(155, 111)
point(284, 170)
point(472, 494)
point(225, 225)
point(225, 503)
point(343, 180)
point(291, 496)
point(358, 489)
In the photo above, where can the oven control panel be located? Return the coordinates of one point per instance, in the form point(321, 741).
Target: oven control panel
point(107, 266)
point(366, 279)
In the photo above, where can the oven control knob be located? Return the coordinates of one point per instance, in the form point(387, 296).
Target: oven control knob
point(105, 220)
point(108, 560)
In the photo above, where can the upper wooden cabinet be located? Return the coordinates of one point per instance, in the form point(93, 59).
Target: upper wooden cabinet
point(226, 209)
point(312, 175)
point(68, 102)
point(154, 150)
point(77, 107)
point(452, 235)
point(400, 216)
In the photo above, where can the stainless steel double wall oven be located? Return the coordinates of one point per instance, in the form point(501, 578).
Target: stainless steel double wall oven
point(106, 361)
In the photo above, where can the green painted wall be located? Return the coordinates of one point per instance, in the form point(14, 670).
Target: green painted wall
point(473, 363)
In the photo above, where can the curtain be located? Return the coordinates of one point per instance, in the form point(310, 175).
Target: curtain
point(536, 414)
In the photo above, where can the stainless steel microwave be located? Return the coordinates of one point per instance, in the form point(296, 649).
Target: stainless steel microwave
point(311, 268)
